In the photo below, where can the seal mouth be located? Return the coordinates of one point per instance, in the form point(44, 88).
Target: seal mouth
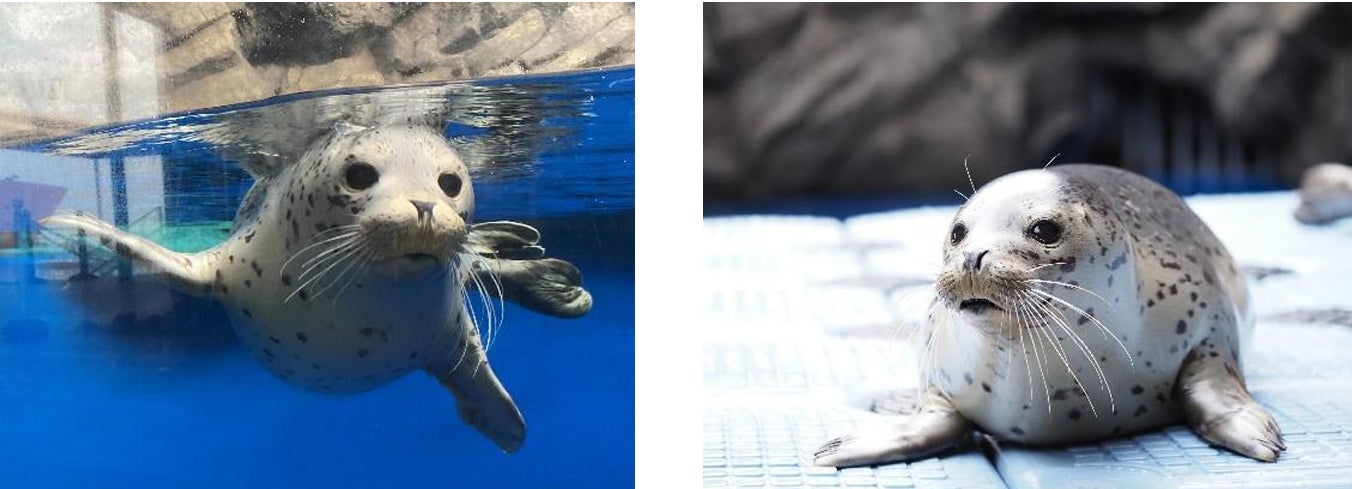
point(417, 256)
point(978, 305)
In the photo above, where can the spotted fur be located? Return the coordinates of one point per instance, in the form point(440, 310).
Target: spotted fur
point(398, 305)
point(1131, 320)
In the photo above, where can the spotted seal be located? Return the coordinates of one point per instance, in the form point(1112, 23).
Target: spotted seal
point(347, 270)
point(1078, 303)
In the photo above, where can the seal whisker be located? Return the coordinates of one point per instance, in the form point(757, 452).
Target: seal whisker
point(337, 255)
point(326, 254)
point(1044, 265)
point(969, 172)
point(1064, 323)
point(1106, 331)
point(494, 321)
point(1037, 356)
point(1072, 286)
point(1060, 351)
point(341, 257)
point(352, 259)
point(335, 229)
point(297, 254)
point(1022, 325)
point(1049, 162)
point(366, 261)
point(1084, 349)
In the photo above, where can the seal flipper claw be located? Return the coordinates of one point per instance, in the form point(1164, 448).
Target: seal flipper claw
point(505, 239)
point(480, 399)
point(935, 427)
point(1219, 409)
point(189, 272)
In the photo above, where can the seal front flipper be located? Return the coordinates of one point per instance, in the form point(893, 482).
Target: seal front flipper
point(504, 239)
point(547, 286)
point(1218, 406)
point(479, 397)
point(935, 427)
point(514, 268)
point(188, 272)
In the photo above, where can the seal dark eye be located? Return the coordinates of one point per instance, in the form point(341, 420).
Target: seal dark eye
point(959, 232)
point(450, 183)
point(1045, 232)
point(360, 176)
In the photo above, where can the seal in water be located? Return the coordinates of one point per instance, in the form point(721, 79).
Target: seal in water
point(1078, 303)
point(378, 217)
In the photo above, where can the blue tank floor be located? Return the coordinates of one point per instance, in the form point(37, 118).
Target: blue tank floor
point(806, 317)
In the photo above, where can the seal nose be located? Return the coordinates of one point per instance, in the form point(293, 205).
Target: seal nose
point(424, 209)
point(971, 260)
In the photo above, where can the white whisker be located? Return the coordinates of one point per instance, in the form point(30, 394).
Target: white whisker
point(1071, 286)
point(1049, 162)
point(1106, 332)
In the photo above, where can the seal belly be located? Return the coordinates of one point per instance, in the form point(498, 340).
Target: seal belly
point(357, 341)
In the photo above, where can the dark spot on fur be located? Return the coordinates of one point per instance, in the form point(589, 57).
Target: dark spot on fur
point(1016, 430)
point(1118, 261)
point(1074, 414)
point(1137, 390)
point(1182, 327)
point(985, 387)
point(362, 353)
point(967, 376)
point(302, 337)
point(247, 313)
point(286, 279)
point(1139, 411)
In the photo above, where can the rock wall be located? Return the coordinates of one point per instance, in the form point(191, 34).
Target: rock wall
point(877, 98)
point(210, 54)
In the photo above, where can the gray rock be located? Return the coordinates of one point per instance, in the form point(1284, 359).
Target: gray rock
point(878, 98)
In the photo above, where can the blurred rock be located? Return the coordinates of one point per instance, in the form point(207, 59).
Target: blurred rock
point(882, 98)
point(1325, 194)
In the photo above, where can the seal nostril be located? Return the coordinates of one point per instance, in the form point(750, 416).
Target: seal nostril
point(424, 208)
point(972, 259)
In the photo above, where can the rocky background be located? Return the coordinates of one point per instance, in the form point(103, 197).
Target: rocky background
point(211, 54)
point(808, 99)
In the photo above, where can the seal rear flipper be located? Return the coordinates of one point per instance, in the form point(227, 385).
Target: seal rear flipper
point(1219, 409)
point(480, 399)
point(936, 426)
point(187, 272)
point(547, 286)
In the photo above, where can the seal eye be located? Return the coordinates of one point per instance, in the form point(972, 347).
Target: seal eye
point(959, 232)
point(450, 183)
point(360, 176)
point(1045, 232)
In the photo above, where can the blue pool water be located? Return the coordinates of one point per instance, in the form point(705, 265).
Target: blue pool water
point(128, 384)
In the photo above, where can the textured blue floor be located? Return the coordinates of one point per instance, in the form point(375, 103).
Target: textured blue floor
point(805, 320)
